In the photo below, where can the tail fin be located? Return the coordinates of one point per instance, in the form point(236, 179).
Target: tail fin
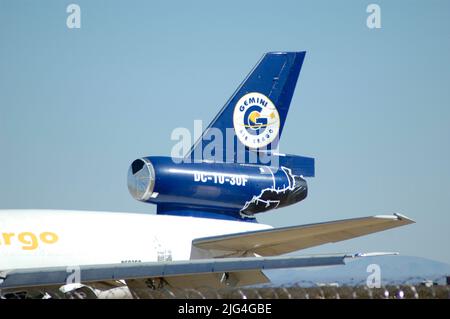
point(256, 112)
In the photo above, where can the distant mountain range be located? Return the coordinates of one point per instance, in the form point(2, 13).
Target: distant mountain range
point(393, 270)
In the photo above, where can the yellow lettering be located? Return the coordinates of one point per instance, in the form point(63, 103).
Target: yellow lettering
point(29, 240)
point(49, 237)
point(7, 238)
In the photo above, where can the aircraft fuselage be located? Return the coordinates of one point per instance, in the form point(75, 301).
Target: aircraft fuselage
point(51, 238)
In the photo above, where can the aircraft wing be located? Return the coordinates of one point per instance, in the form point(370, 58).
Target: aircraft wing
point(276, 241)
point(211, 272)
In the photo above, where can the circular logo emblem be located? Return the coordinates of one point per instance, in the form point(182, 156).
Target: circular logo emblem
point(256, 120)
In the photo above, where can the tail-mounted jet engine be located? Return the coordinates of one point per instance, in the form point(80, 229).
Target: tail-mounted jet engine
point(237, 190)
point(255, 114)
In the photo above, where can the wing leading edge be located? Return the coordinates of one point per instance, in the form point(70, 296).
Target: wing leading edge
point(56, 276)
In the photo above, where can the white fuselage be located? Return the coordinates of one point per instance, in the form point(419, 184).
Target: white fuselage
point(51, 238)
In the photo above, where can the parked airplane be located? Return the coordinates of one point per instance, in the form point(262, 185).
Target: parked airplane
point(205, 233)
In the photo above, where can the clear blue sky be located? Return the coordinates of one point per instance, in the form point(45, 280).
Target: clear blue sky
point(372, 106)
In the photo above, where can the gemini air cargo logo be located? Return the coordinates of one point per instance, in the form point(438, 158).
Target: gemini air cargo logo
point(256, 120)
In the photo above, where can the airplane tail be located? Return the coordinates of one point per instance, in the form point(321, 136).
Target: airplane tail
point(255, 114)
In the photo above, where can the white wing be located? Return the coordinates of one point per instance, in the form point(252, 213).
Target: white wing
point(276, 241)
point(171, 271)
point(215, 272)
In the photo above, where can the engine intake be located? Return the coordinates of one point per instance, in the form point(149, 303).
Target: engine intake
point(141, 179)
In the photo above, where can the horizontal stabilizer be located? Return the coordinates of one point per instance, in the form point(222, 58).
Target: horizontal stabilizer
point(276, 241)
